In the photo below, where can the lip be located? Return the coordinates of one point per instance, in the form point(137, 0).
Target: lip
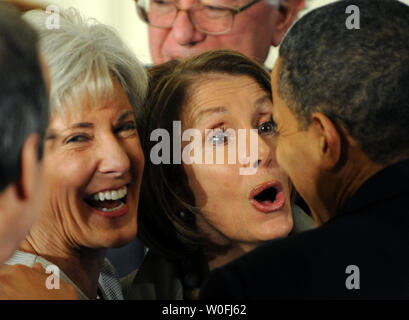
point(277, 205)
point(113, 214)
point(110, 188)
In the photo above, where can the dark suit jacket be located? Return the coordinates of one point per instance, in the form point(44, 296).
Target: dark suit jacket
point(371, 233)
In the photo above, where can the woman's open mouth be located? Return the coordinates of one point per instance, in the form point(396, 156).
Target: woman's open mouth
point(268, 197)
point(110, 203)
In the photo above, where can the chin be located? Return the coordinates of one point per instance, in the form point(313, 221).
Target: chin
point(117, 238)
point(276, 228)
point(121, 242)
point(118, 242)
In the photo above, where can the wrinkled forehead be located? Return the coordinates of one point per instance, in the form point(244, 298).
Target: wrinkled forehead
point(215, 92)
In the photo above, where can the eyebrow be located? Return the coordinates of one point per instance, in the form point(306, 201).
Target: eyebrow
point(82, 125)
point(124, 115)
point(221, 109)
point(50, 134)
point(261, 101)
point(197, 118)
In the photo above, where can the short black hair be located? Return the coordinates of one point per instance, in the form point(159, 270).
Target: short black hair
point(23, 94)
point(359, 78)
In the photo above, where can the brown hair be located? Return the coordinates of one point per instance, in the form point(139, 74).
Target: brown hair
point(167, 208)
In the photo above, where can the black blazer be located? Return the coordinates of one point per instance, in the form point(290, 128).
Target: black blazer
point(371, 233)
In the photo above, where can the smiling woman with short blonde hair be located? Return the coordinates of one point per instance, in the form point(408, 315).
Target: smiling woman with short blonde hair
point(93, 161)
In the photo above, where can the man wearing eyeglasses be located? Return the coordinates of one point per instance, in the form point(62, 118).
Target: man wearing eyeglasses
point(181, 28)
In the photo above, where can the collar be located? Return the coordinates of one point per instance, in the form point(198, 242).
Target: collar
point(390, 182)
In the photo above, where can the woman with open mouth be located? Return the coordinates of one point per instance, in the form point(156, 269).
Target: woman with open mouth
point(93, 160)
point(202, 214)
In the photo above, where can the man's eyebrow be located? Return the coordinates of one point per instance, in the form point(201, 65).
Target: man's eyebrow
point(261, 101)
point(124, 115)
point(199, 116)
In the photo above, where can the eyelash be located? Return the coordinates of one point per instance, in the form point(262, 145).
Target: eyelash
point(218, 131)
point(79, 138)
point(125, 127)
point(271, 127)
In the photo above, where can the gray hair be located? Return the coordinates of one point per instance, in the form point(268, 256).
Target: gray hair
point(83, 55)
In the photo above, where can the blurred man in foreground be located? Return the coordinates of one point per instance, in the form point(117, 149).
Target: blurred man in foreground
point(23, 108)
point(23, 120)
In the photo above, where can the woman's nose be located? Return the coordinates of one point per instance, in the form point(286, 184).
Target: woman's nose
point(266, 154)
point(114, 160)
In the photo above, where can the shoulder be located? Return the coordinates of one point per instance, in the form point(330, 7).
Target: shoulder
point(281, 268)
point(20, 282)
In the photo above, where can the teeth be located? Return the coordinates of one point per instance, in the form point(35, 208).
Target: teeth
point(110, 195)
point(111, 210)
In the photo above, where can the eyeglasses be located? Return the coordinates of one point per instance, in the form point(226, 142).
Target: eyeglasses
point(211, 18)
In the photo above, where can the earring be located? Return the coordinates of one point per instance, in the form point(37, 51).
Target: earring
point(183, 215)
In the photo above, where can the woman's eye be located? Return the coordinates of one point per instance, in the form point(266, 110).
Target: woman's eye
point(126, 127)
point(267, 127)
point(219, 138)
point(77, 139)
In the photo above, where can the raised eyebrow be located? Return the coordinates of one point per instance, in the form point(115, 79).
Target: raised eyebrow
point(261, 101)
point(199, 116)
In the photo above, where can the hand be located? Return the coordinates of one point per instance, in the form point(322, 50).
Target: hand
point(19, 282)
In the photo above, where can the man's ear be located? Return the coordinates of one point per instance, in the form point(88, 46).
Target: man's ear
point(30, 167)
point(286, 13)
point(330, 140)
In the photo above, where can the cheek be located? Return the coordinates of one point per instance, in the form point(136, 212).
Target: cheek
point(212, 184)
point(280, 156)
point(157, 38)
point(135, 153)
point(282, 176)
point(63, 172)
point(287, 154)
point(237, 41)
point(250, 39)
